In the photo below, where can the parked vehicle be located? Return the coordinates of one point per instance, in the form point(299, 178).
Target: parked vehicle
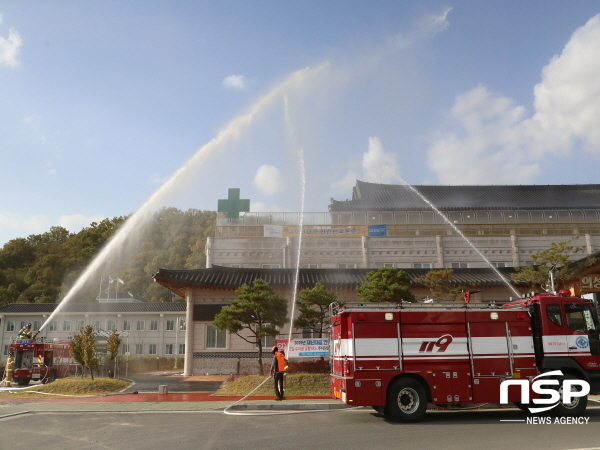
point(40, 359)
point(400, 357)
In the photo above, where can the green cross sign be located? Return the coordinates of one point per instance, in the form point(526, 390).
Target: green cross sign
point(233, 205)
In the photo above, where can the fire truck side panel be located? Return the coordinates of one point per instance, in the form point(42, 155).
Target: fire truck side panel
point(376, 346)
point(427, 346)
point(451, 387)
point(489, 346)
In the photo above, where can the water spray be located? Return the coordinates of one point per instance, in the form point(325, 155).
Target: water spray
point(460, 233)
point(292, 134)
point(230, 132)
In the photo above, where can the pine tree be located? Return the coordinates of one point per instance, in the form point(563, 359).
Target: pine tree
point(257, 311)
point(386, 284)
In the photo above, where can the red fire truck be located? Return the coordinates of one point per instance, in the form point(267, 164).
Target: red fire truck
point(40, 360)
point(397, 358)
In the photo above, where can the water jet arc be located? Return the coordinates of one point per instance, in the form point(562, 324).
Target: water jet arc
point(229, 133)
point(461, 234)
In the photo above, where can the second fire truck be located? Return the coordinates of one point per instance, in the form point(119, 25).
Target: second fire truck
point(399, 358)
point(40, 359)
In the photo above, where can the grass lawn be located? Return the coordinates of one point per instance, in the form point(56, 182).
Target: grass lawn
point(71, 386)
point(294, 384)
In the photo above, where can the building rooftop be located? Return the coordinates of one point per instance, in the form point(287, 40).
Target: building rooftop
point(233, 278)
point(391, 197)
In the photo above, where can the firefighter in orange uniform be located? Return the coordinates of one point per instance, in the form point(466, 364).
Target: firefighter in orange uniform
point(278, 370)
point(9, 369)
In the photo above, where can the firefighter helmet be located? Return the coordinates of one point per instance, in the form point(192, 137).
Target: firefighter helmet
point(29, 325)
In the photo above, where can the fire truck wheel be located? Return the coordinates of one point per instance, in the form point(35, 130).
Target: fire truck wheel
point(407, 400)
point(576, 407)
point(23, 381)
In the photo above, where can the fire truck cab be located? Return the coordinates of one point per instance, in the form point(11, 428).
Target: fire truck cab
point(39, 359)
point(398, 358)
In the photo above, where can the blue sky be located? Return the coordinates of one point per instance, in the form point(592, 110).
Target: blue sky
point(102, 102)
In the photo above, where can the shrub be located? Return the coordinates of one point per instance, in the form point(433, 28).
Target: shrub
point(315, 366)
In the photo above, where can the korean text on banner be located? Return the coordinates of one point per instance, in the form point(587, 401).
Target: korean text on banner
point(272, 231)
point(304, 348)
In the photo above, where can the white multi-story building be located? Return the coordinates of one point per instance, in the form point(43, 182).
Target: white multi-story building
point(145, 328)
point(391, 226)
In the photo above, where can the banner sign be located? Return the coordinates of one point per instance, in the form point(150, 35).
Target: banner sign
point(272, 231)
point(590, 282)
point(304, 348)
point(378, 230)
point(286, 231)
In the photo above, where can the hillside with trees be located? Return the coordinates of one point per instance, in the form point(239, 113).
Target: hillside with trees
point(41, 268)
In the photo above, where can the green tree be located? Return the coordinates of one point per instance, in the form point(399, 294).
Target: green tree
point(440, 284)
point(257, 313)
point(42, 267)
point(386, 284)
point(554, 260)
point(313, 307)
point(112, 345)
point(76, 349)
point(83, 349)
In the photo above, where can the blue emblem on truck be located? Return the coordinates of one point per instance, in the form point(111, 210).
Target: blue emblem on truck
point(582, 342)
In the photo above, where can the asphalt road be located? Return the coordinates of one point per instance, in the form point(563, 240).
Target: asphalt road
point(346, 429)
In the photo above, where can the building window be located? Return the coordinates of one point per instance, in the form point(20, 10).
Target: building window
point(309, 333)
point(215, 338)
point(111, 325)
point(52, 326)
point(152, 349)
point(37, 324)
point(347, 266)
point(79, 325)
point(379, 265)
point(168, 349)
point(181, 324)
point(125, 349)
point(5, 350)
point(459, 265)
point(421, 265)
point(141, 325)
point(127, 325)
point(268, 341)
point(170, 325)
point(181, 349)
point(24, 323)
point(270, 266)
point(154, 325)
point(499, 264)
point(309, 266)
point(96, 325)
point(139, 349)
point(10, 326)
point(67, 325)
